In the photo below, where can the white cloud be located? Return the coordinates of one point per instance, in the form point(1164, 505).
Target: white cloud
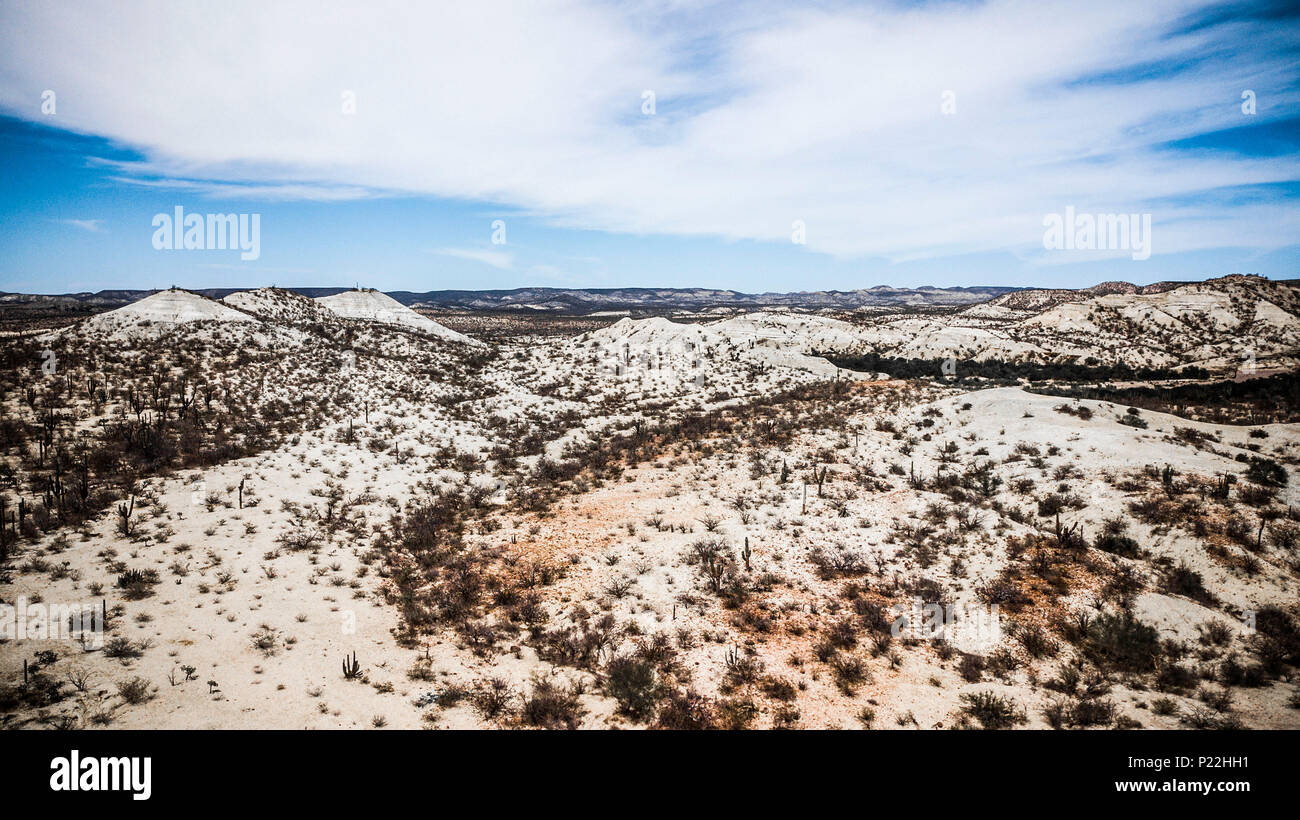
point(264, 192)
point(765, 114)
point(91, 225)
point(497, 259)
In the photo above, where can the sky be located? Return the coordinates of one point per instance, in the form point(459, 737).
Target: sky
point(567, 143)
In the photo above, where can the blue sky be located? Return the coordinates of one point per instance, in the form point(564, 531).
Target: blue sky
point(907, 144)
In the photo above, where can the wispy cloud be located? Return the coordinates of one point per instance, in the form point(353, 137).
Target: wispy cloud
point(91, 225)
point(271, 191)
point(260, 270)
point(497, 259)
point(832, 115)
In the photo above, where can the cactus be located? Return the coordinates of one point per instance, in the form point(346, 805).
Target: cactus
point(351, 669)
point(1067, 537)
point(733, 657)
point(746, 553)
point(1223, 486)
point(124, 511)
point(913, 481)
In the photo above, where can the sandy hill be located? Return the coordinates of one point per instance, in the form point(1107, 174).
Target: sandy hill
point(769, 340)
point(1020, 303)
point(1214, 324)
point(164, 310)
point(1211, 323)
point(657, 331)
point(795, 330)
point(278, 305)
point(371, 305)
point(630, 345)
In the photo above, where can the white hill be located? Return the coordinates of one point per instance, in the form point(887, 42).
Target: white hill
point(760, 339)
point(162, 311)
point(794, 330)
point(371, 305)
point(1213, 324)
point(1216, 325)
point(278, 305)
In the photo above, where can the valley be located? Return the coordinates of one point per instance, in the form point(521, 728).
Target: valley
point(1042, 509)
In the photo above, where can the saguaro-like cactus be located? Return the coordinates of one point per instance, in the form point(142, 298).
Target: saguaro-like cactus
point(125, 511)
point(351, 668)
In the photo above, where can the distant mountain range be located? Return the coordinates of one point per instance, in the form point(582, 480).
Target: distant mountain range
point(588, 300)
point(576, 300)
point(634, 300)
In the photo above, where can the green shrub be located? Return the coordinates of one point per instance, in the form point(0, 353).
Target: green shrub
point(992, 711)
point(137, 583)
point(1182, 580)
point(135, 690)
point(1266, 471)
point(633, 683)
point(551, 706)
point(1117, 544)
point(1123, 643)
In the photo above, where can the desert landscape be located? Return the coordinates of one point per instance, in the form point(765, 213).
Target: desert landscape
point(1006, 508)
point(567, 376)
